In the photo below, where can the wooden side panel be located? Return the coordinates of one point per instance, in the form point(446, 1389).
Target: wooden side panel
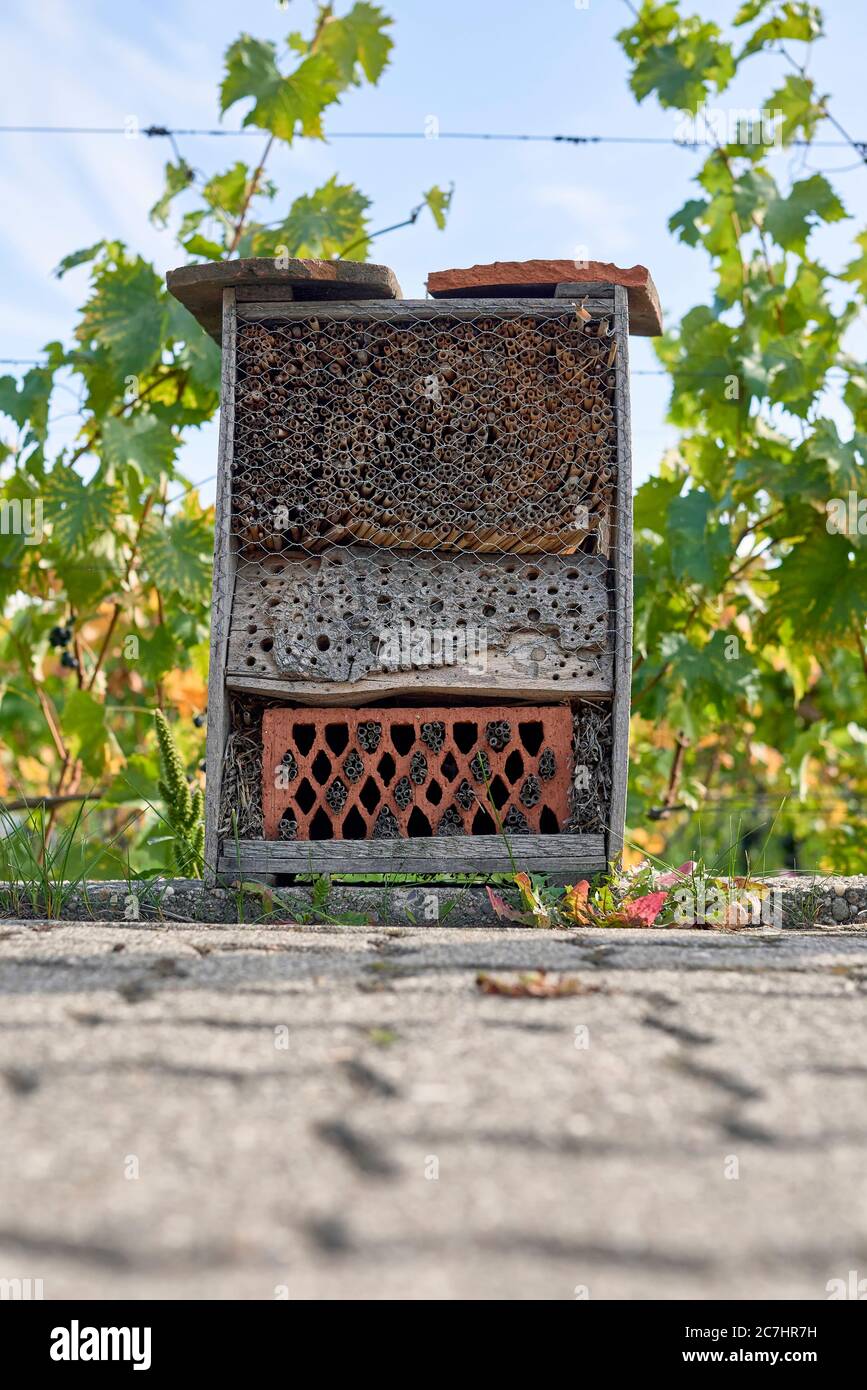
point(622, 594)
point(223, 590)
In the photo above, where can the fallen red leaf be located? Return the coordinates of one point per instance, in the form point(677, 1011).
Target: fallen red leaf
point(644, 911)
point(502, 908)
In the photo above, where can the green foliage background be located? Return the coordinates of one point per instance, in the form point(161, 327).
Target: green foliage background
point(750, 665)
point(750, 671)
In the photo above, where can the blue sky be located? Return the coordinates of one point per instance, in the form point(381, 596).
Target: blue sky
point(493, 65)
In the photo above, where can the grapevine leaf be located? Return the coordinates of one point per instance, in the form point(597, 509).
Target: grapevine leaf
point(142, 440)
point(793, 20)
point(228, 191)
point(801, 112)
point(77, 512)
point(699, 549)
point(684, 223)
point(439, 202)
point(321, 223)
point(126, 316)
point(177, 553)
point(790, 220)
point(84, 725)
point(89, 253)
point(283, 105)
point(357, 40)
point(178, 178)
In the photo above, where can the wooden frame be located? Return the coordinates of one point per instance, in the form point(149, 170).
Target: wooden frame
point(622, 588)
point(560, 855)
point(222, 593)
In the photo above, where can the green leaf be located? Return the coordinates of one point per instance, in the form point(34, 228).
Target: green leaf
point(679, 59)
point(821, 588)
point(856, 270)
point(322, 223)
point(177, 554)
point(792, 20)
point(652, 501)
point(142, 440)
point(801, 112)
point(84, 726)
point(77, 512)
point(282, 105)
point(78, 258)
point(700, 548)
point(198, 245)
point(178, 178)
point(685, 222)
point(228, 191)
point(357, 40)
point(790, 220)
point(709, 674)
point(196, 352)
point(29, 402)
point(126, 316)
point(157, 654)
point(439, 202)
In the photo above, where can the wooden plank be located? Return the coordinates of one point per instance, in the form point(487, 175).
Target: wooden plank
point(483, 854)
point(595, 289)
point(222, 592)
point(264, 294)
point(622, 593)
point(419, 309)
point(433, 681)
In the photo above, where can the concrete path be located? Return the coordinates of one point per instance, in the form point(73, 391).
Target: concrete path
point(236, 1112)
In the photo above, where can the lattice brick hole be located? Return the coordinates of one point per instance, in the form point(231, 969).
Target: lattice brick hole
point(359, 774)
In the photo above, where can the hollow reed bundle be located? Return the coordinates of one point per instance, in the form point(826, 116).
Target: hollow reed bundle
point(488, 435)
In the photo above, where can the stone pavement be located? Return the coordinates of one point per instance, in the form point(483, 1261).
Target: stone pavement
point(338, 1112)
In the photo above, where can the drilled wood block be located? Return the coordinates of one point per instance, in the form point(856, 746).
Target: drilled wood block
point(351, 616)
point(357, 774)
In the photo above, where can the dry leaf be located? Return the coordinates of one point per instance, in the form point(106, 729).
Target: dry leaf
point(535, 984)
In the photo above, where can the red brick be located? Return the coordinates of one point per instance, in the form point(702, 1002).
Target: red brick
point(278, 738)
point(541, 277)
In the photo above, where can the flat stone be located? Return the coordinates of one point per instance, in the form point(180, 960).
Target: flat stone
point(540, 278)
point(200, 287)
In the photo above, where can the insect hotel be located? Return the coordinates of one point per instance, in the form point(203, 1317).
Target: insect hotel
point(420, 653)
